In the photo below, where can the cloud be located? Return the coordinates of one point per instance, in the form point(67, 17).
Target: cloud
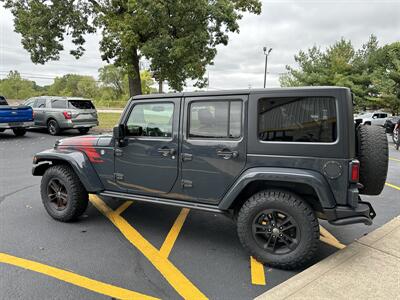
point(286, 26)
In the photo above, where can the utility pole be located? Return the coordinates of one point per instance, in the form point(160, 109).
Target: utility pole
point(266, 53)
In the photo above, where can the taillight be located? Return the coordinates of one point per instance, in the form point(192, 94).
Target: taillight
point(33, 115)
point(67, 115)
point(355, 171)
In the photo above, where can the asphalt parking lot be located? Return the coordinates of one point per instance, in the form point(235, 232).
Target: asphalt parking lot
point(122, 249)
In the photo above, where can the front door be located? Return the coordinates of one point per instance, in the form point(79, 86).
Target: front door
point(213, 146)
point(147, 163)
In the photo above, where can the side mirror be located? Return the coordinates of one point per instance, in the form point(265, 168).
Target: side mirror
point(119, 132)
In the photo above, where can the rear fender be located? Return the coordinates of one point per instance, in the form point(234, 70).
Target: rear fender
point(79, 162)
point(308, 177)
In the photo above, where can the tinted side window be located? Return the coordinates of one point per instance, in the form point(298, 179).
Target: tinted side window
point(297, 119)
point(151, 120)
point(3, 101)
point(58, 104)
point(215, 119)
point(40, 103)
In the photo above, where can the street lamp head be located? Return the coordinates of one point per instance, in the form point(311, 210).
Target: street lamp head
point(265, 49)
point(269, 51)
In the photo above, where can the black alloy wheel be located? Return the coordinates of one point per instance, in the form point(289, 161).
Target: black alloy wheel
point(276, 232)
point(57, 194)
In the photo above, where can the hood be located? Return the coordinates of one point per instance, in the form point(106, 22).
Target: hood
point(87, 140)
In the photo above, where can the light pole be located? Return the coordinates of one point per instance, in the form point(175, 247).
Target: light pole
point(266, 53)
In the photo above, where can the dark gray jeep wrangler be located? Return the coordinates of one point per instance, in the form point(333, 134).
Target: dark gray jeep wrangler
point(275, 160)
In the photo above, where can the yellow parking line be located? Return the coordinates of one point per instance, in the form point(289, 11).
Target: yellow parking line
point(328, 238)
point(393, 186)
point(171, 273)
point(123, 207)
point(257, 272)
point(72, 278)
point(169, 242)
point(394, 159)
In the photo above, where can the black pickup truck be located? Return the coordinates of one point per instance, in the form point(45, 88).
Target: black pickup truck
point(16, 118)
point(275, 160)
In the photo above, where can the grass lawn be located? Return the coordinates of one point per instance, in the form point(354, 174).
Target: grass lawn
point(108, 120)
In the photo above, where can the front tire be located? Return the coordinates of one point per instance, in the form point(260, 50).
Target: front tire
point(63, 195)
point(19, 131)
point(278, 228)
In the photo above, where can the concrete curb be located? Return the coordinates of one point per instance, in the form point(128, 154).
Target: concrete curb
point(367, 268)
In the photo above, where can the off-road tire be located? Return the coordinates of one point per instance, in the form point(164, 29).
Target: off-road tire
point(77, 195)
point(292, 205)
point(83, 130)
point(19, 131)
point(373, 154)
point(53, 128)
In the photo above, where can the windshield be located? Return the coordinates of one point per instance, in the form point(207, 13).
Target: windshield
point(80, 104)
point(3, 101)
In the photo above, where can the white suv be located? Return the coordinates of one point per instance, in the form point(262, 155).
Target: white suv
point(374, 118)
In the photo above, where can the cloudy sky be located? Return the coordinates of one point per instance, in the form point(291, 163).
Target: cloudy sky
point(284, 25)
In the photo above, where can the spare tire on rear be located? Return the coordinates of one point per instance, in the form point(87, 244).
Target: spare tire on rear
point(372, 152)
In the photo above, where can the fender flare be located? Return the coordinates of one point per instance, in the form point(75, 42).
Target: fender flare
point(79, 162)
point(308, 177)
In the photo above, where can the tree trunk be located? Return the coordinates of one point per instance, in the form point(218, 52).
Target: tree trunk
point(160, 86)
point(135, 83)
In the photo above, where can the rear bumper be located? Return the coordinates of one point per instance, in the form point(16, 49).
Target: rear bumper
point(344, 215)
point(70, 124)
point(16, 125)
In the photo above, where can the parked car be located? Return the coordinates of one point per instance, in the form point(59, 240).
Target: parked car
point(389, 126)
point(61, 113)
point(375, 118)
point(16, 118)
point(275, 160)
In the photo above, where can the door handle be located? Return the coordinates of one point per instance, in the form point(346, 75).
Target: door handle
point(227, 154)
point(167, 151)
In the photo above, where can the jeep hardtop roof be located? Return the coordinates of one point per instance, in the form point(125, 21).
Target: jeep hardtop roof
point(238, 92)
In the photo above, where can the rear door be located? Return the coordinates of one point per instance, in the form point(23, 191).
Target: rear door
point(213, 146)
point(147, 162)
point(82, 111)
point(39, 109)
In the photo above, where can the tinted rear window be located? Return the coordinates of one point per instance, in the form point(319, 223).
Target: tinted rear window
point(81, 104)
point(58, 104)
point(297, 119)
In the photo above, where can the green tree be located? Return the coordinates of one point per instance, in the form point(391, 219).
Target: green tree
point(15, 87)
point(386, 77)
point(74, 85)
point(113, 77)
point(364, 71)
point(179, 38)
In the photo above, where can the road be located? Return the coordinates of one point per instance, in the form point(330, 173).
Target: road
point(121, 249)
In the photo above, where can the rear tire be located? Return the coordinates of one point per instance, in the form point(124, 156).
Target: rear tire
point(83, 130)
point(53, 128)
point(63, 195)
point(19, 131)
point(278, 228)
point(373, 154)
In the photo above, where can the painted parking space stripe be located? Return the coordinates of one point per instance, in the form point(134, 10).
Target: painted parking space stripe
point(257, 272)
point(73, 278)
point(394, 159)
point(173, 234)
point(393, 186)
point(171, 273)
